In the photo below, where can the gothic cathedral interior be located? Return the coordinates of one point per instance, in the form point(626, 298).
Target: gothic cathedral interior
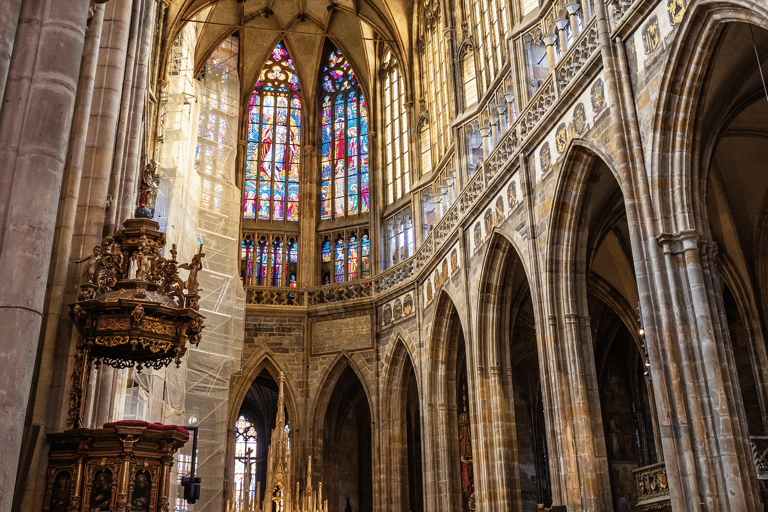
point(384, 255)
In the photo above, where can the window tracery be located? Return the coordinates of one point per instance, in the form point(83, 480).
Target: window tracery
point(345, 256)
point(269, 260)
point(344, 189)
point(274, 142)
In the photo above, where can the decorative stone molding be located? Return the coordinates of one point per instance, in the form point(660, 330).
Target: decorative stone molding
point(652, 488)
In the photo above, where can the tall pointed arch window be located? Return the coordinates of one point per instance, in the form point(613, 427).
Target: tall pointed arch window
point(274, 142)
point(344, 159)
point(398, 172)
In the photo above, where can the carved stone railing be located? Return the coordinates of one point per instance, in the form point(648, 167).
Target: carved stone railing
point(759, 446)
point(577, 56)
point(340, 292)
point(271, 296)
point(539, 105)
point(652, 487)
point(394, 276)
point(618, 8)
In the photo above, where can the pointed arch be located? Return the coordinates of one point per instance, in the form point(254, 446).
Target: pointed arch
point(447, 351)
point(344, 155)
point(676, 130)
point(397, 431)
point(273, 141)
point(328, 386)
point(258, 362)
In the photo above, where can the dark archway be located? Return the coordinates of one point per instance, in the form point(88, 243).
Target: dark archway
point(347, 453)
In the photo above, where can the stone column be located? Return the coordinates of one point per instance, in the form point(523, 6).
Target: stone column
point(133, 164)
point(572, 9)
point(124, 118)
point(9, 20)
point(55, 306)
point(549, 40)
point(38, 109)
point(485, 133)
point(560, 26)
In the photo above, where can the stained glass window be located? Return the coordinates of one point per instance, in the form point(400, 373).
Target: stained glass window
point(344, 187)
point(270, 260)
point(339, 260)
point(246, 446)
point(274, 142)
point(326, 251)
point(435, 71)
point(246, 260)
point(352, 259)
point(366, 256)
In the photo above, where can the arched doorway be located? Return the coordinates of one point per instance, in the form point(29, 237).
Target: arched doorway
point(347, 453)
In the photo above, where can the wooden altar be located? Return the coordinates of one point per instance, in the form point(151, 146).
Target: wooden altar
point(123, 467)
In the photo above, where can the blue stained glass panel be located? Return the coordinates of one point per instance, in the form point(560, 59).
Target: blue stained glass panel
point(293, 253)
point(352, 258)
point(326, 251)
point(339, 261)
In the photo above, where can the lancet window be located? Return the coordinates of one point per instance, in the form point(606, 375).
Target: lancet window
point(435, 88)
point(395, 131)
point(274, 142)
point(269, 260)
point(488, 21)
point(344, 190)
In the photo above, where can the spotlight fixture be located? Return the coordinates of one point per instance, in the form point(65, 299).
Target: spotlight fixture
point(267, 12)
point(330, 6)
point(302, 17)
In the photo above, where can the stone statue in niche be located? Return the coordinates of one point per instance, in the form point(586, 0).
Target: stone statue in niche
point(140, 495)
point(62, 492)
point(101, 493)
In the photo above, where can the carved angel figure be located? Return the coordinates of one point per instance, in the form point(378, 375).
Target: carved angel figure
point(91, 262)
point(194, 267)
point(143, 259)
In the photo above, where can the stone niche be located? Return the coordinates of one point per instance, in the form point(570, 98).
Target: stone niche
point(123, 467)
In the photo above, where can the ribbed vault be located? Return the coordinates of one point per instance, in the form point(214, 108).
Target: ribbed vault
point(353, 25)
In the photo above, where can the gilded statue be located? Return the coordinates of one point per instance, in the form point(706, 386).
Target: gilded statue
point(92, 261)
point(143, 259)
point(194, 267)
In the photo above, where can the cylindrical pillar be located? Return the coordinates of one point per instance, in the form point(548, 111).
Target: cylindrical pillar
point(560, 27)
point(61, 251)
point(45, 66)
point(9, 20)
point(549, 40)
point(572, 9)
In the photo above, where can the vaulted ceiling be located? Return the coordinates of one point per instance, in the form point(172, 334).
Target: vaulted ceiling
point(353, 25)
